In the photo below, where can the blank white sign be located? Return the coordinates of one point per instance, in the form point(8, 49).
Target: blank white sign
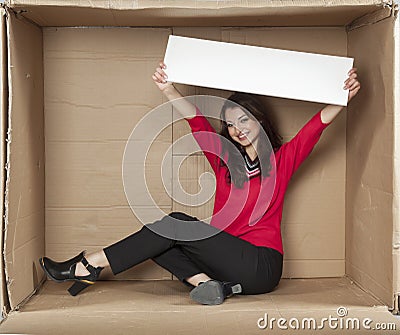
point(252, 69)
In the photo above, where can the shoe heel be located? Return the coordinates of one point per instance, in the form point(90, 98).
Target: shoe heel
point(77, 287)
point(236, 289)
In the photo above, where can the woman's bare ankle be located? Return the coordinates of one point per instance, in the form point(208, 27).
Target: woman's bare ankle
point(96, 259)
point(80, 270)
point(197, 279)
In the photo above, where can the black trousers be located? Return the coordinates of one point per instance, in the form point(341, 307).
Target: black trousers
point(221, 256)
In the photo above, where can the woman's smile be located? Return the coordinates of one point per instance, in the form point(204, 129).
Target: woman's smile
point(243, 136)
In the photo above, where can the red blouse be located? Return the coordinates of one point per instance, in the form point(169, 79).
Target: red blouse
point(254, 212)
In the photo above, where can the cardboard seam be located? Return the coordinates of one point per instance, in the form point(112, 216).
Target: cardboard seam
point(362, 288)
point(396, 174)
point(226, 5)
point(27, 298)
point(4, 106)
point(366, 276)
point(18, 13)
point(213, 5)
point(396, 309)
point(8, 149)
point(381, 14)
point(359, 286)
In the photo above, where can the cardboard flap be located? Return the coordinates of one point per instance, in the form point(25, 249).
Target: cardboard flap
point(195, 13)
point(3, 149)
point(370, 175)
point(140, 4)
point(396, 168)
point(24, 230)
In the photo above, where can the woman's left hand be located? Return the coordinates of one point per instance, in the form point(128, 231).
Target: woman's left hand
point(352, 84)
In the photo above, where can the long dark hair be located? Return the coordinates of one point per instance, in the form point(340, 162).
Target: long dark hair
point(269, 139)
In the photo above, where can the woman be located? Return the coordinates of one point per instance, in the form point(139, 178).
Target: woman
point(243, 255)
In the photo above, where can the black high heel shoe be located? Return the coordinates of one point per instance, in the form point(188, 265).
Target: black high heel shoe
point(65, 271)
point(214, 292)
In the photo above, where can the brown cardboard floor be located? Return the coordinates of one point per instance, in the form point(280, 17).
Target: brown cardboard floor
point(164, 307)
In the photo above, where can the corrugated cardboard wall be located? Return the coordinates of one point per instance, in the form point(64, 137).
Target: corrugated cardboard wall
point(98, 85)
point(369, 187)
point(24, 235)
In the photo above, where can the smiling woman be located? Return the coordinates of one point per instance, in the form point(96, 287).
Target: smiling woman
point(244, 251)
point(243, 116)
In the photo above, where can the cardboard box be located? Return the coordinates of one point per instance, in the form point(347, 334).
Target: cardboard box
point(77, 78)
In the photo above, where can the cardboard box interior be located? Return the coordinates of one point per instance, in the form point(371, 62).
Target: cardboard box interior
point(75, 94)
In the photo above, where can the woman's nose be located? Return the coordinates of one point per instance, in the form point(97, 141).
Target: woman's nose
point(237, 130)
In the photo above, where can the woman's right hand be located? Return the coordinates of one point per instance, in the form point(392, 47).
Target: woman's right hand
point(160, 77)
point(184, 107)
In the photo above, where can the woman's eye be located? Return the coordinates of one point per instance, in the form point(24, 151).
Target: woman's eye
point(229, 125)
point(244, 120)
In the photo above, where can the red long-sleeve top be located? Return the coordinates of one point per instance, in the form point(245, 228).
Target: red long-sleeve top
point(254, 212)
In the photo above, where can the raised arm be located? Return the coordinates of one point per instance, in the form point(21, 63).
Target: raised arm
point(329, 113)
point(184, 107)
point(294, 152)
point(202, 131)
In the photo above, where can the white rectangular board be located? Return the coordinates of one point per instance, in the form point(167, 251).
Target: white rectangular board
point(251, 69)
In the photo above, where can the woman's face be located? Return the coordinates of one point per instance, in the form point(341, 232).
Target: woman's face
point(242, 129)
